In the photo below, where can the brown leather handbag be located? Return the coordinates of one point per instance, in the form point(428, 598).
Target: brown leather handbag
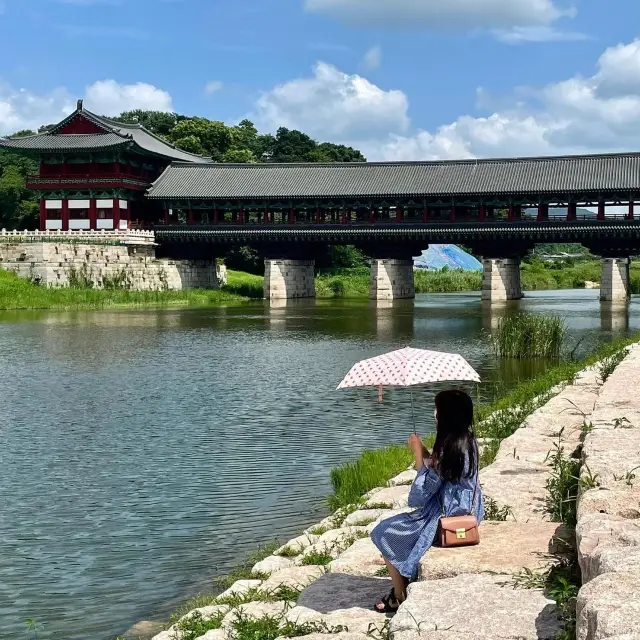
point(460, 531)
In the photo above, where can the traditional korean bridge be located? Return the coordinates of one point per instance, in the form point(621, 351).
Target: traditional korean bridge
point(100, 174)
point(393, 211)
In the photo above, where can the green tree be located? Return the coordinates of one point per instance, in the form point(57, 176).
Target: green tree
point(23, 133)
point(161, 123)
point(214, 137)
point(239, 156)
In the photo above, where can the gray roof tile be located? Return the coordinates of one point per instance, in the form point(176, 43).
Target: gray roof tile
point(409, 179)
point(47, 142)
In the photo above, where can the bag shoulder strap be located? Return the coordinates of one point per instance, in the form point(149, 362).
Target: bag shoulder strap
point(477, 485)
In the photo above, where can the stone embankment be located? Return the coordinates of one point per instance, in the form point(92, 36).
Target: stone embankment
point(470, 593)
point(134, 267)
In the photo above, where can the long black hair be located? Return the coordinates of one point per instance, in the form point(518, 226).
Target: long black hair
point(455, 440)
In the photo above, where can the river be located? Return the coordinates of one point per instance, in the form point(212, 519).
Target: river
point(144, 452)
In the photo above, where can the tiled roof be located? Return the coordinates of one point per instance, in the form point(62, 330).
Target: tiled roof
point(617, 172)
point(116, 134)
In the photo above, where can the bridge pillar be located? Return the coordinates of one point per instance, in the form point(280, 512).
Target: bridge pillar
point(501, 279)
point(615, 280)
point(392, 279)
point(286, 279)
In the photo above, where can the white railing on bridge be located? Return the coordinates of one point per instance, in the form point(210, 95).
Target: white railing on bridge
point(125, 236)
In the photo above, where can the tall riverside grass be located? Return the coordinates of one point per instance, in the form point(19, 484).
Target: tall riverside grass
point(529, 335)
point(245, 284)
point(16, 293)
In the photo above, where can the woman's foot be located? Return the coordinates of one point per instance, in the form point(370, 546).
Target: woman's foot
point(388, 604)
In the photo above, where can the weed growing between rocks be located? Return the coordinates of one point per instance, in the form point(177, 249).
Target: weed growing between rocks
point(493, 511)
point(608, 365)
point(281, 594)
point(562, 486)
point(272, 627)
point(196, 626)
point(319, 558)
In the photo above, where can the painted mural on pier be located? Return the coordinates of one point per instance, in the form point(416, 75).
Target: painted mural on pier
point(438, 256)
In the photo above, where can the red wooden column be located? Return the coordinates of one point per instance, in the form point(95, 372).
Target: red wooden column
point(292, 218)
point(631, 205)
point(601, 210)
point(65, 214)
point(372, 214)
point(216, 216)
point(452, 213)
point(399, 214)
point(482, 213)
point(116, 213)
point(265, 214)
point(93, 213)
point(543, 212)
point(43, 214)
point(190, 218)
point(241, 216)
point(166, 216)
point(425, 214)
point(572, 211)
point(318, 215)
point(511, 214)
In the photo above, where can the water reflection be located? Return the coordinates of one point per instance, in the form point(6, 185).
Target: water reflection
point(614, 317)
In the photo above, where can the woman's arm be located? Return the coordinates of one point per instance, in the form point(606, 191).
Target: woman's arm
point(420, 452)
point(426, 485)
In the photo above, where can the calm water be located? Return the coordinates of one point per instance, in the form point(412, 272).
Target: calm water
point(142, 453)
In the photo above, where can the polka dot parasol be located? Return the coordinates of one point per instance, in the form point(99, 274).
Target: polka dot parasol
point(408, 367)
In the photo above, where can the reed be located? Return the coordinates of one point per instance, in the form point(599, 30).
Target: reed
point(529, 335)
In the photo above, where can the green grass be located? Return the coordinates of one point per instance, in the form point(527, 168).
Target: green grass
point(320, 558)
point(529, 335)
point(16, 293)
point(244, 284)
point(372, 469)
point(195, 626)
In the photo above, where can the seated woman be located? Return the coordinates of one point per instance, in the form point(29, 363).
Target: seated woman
point(446, 484)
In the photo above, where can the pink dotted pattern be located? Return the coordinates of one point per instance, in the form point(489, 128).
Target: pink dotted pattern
point(407, 367)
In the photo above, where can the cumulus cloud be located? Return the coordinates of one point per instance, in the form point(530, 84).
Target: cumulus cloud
point(545, 33)
point(333, 105)
point(24, 109)
point(458, 15)
point(372, 59)
point(212, 87)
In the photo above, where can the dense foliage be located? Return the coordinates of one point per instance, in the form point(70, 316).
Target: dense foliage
point(238, 143)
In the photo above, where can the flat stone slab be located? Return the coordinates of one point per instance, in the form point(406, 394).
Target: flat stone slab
point(345, 635)
point(611, 454)
point(206, 613)
point(239, 588)
point(405, 478)
point(475, 606)
point(363, 517)
point(354, 620)
point(609, 606)
point(518, 484)
point(391, 497)
point(298, 544)
point(623, 502)
point(271, 565)
point(294, 577)
point(254, 611)
point(505, 548)
point(361, 559)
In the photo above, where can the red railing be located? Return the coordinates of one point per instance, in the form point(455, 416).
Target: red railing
point(34, 180)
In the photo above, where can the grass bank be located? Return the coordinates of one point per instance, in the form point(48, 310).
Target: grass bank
point(529, 335)
point(16, 293)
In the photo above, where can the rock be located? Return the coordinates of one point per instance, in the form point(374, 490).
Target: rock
point(239, 588)
point(364, 517)
point(326, 524)
point(335, 591)
point(611, 454)
point(207, 612)
point(298, 544)
point(475, 606)
point(143, 630)
point(361, 559)
point(624, 502)
point(589, 284)
point(528, 446)
point(505, 548)
point(391, 497)
point(254, 611)
point(518, 484)
point(337, 537)
point(405, 478)
point(609, 606)
point(355, 620)
point(271, 565)
point(294, 577)
point(214, 634)
point(345, 635)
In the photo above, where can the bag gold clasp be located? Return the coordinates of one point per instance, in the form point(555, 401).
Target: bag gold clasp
point(461, 534)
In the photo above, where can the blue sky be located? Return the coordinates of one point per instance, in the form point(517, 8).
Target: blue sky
point(400, 79)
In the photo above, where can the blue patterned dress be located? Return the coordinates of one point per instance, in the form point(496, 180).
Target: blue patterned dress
point(405, 538)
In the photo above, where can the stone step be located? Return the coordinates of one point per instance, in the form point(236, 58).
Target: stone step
point(505, 548)
point(475, 607)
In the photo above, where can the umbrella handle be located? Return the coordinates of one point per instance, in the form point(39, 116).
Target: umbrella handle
point(413, 416)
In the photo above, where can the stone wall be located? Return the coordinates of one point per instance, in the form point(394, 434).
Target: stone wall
point(501, 280)
point(615, 280)
point(608, 529)
point(134, 267)
point(287, 279)
point(392, 279)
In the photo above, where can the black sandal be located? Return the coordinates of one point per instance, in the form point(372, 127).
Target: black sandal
point(390, 603)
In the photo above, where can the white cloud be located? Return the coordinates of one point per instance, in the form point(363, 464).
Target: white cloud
point(109, 98)
point(211, 87)
point(333, 105)
point(545, 33)
point(373, 58)
point(24, 109)
point(458, 15)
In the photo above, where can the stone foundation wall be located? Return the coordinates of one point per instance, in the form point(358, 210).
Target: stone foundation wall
point(287, 279)
point(608, 529)
point(392, 279)
point(615, 280)
point(132, 267)
point(501, 280)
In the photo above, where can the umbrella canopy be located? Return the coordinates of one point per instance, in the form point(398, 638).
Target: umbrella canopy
point(408, 367)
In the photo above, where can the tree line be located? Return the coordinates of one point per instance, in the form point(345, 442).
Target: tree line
point(211, 138)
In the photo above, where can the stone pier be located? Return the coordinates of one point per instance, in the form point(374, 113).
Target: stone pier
point(615, 280)
point(286, 279)
point(501, 280)
point(392, 279)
